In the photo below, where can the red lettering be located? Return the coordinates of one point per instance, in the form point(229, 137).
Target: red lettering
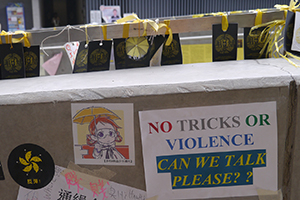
point(154, 127)
point(165, 127)
point(162, 127)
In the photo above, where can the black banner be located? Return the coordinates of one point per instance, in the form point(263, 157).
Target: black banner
point(289, 32)
point(120, 53)
point(252, 45)
point(81, 58)
point(32, 61)
point(12, 61)
point(99, 56)
point(224, 43)
point(172, 55)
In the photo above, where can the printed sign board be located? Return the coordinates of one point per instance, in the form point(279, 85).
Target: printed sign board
point(210, 152)
point(15, 17)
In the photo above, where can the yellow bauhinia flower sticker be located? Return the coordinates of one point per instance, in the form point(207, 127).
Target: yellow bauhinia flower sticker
point(30, 162)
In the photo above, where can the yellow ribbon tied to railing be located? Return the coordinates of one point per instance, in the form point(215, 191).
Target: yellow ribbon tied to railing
point(258, 18)
point(293, 7)
point(224, 20)
point(155, 26)
point(9, 38)
point(259, 14)
point(104, 31)
point(24, 38)
point(270, 37)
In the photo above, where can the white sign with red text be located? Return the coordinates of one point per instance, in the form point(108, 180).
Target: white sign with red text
point(210, 152)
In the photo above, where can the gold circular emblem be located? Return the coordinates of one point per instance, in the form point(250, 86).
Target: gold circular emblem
point(81, 59)
point(253, 42)
point(12, 63)
point(298, 35)
point(98, 57)
point(172, 50)
point(31, 60)
point(224, 43)
point(289, 31)
point(121, 51)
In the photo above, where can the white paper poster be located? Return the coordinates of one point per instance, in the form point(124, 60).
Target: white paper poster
point(210, 152)
point(296, 34)
point(95, 17)
point(72, 49)
point(103, 133)
point(72, 185)
point(110, 13)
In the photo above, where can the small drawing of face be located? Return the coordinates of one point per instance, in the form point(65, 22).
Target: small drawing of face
point(106, 134)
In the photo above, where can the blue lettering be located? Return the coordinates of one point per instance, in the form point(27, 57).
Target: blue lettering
point(180, 143)
point(200, 143)
point(233, 140)
point(248, 138)
point(171, 145)
point(212, 141)
point(187, 143)
point(222, 138)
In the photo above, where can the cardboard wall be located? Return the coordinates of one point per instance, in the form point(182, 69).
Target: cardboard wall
point(38, 110)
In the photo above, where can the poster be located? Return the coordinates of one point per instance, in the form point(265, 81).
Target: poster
point(110, 13)
point(296, 35)
point(15, 17)
point(103, 134)
point(72, 185)
point(210, 152)
point(95, 17)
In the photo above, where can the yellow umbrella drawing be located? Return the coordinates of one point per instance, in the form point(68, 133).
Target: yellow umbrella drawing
point(86, 115)
point(137, 47)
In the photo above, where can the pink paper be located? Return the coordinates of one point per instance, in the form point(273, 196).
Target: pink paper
point(52, 64)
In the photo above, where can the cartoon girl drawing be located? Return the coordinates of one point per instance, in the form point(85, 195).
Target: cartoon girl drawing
point(103, 136)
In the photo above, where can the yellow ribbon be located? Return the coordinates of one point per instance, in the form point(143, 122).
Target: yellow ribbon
point(86, 35)
point(198, 16)
point(224, 20)
point(258, 18)
point(293, 7)
point(168, 31)
point(271, 40)
point(236, 12)
point(9, 39)
point(24, 38)
point(126, 30)
point(167, 22)
point(269, 36)
point(104, 31)
point(145, 23)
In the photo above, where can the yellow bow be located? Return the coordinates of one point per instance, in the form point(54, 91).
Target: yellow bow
point(292, 7)
point(224, 20)
point(145, 22)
